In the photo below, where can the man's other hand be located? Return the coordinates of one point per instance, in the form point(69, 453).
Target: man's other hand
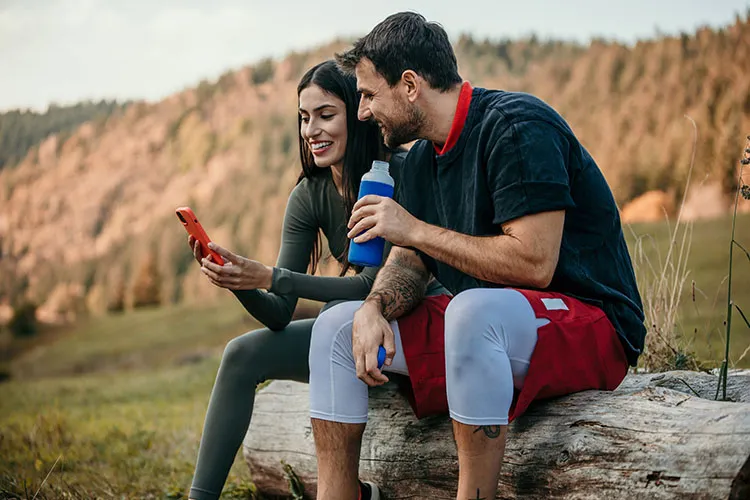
point(370, 330)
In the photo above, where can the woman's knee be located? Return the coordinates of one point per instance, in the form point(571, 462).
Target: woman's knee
point(246, 349)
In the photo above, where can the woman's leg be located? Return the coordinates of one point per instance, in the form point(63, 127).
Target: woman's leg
point(248, 360)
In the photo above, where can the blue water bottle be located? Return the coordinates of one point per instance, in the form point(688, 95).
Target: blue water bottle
point(377, 181)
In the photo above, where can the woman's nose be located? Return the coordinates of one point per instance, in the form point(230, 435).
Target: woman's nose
point(312, 129)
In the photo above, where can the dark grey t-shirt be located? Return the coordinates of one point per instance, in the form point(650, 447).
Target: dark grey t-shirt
point(516, 156)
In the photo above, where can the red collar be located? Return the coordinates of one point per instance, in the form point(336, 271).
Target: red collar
point(459, 119)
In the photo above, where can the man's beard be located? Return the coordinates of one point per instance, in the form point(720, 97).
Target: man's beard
point(404, 131)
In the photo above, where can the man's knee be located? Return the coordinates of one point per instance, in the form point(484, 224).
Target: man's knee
point(474, 322)
point(466, 318)
point(327, 328)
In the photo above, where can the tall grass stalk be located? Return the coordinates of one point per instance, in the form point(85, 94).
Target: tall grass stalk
point(744, 190)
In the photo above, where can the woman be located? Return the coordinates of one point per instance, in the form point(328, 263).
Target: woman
point(336, 149)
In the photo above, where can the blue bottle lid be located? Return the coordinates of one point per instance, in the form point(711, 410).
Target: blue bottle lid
point(381, 356)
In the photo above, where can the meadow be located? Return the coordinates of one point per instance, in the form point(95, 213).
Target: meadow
point(113, 407)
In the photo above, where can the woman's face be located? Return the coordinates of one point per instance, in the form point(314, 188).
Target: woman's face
point(323, 125)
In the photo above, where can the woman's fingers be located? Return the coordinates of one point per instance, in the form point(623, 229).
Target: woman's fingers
point(195, 246)
point(229, 282)
point(226, 254)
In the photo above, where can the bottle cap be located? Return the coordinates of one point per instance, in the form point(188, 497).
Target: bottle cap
point(380, 165)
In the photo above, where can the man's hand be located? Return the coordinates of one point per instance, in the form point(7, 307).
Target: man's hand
point(238, 273)
point(369, 331)
point(374, 216)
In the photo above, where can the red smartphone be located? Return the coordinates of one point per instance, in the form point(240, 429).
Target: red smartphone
point(194, 228)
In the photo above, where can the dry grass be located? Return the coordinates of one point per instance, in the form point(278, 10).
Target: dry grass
point(662, 278)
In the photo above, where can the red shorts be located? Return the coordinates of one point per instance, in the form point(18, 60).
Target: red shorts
point(577, 350)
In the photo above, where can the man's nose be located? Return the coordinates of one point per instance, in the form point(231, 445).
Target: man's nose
point(363, 112)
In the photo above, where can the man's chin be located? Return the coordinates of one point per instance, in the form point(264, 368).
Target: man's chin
point(393, 141)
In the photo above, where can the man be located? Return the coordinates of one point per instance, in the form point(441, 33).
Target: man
point(502, 204)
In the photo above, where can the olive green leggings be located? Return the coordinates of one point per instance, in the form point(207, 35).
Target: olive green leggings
point(247, 361)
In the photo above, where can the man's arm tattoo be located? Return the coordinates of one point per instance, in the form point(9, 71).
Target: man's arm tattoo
point(399, 287)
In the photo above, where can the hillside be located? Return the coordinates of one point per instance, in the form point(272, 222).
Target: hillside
point(21, 130)
point(87, 224)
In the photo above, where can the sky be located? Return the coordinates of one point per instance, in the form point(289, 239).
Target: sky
point(64, 51)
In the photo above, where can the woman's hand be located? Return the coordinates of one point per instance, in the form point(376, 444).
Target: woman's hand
point(195, 246)
point(238, 273)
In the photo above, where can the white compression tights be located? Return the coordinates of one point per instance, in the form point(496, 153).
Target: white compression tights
point(490, 335)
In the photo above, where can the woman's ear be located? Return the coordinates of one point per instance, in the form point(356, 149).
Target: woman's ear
point(411, 82)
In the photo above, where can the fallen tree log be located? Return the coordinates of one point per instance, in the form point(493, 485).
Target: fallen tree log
point(657, 436)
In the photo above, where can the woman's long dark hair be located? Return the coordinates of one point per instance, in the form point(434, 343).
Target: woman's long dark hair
point(363, 144)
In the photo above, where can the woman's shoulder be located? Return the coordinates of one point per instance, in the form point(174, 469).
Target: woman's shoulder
point(311, 185)
point(310, 192)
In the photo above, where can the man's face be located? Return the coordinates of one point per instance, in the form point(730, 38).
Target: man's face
point(399, 119)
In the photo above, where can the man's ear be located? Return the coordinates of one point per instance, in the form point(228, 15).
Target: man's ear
point(412, 84)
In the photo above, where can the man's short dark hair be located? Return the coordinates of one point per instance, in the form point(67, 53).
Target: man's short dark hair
point(406, 41)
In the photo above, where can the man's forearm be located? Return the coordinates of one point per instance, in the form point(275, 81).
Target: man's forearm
point(503, 259)
point(399, 286)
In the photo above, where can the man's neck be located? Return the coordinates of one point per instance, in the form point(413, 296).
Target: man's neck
point(440, 109)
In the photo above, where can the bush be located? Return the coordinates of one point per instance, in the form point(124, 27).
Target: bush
point(23, 323)
point(263, 71)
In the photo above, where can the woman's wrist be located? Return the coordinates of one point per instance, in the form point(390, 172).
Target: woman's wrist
point(267, 278)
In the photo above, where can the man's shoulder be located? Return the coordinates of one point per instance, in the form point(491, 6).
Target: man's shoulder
point(420, 151)
point(397, 158)
point(504, 108)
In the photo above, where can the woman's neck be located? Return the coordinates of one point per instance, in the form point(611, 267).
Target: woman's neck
point(337, 172)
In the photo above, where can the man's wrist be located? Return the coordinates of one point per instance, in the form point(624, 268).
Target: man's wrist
point(420, 234)
point(374, 303)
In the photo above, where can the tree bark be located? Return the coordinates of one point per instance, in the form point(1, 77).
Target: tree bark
point(651, 438)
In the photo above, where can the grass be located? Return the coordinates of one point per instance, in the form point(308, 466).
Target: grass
point(130, 426)
point(114, 407)
point(146, 338)
point(113, 435)
point(699, 323)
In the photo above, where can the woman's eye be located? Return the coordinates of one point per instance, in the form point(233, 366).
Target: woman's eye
point(304, 119)
point(327, 117)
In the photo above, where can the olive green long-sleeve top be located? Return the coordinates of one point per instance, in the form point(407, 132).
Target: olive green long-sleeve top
point(314, 205)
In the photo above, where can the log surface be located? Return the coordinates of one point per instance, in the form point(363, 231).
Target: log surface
point(651, 438)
